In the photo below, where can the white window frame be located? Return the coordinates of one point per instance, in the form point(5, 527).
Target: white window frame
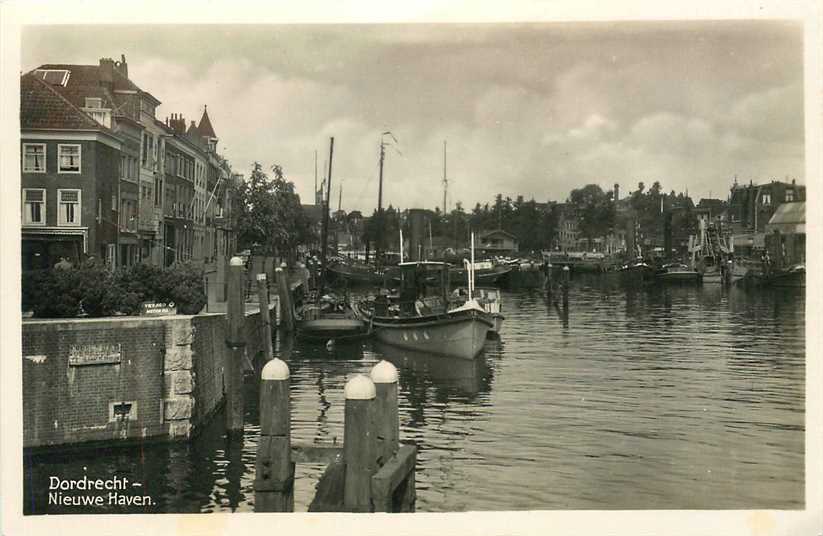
point(79, 158)
point(42, 209)
point(78, 210)
point(45, 161)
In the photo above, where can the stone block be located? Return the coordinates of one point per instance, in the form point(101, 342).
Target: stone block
point(182, 382)
point(178, 408)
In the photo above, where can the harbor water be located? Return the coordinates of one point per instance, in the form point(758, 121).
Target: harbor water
point(647, 398)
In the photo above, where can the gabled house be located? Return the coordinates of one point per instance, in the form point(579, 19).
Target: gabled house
point(497, 242)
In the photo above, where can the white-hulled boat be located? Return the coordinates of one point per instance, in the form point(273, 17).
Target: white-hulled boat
point(420, 317)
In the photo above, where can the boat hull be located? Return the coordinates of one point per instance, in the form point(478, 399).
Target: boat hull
point(460, 335)
point(339, 329)
point(679, 277)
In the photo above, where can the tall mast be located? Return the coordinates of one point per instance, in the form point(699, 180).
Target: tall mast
point(325, 229)
point(379, 235)
point(340, 196)
point(315, 176)
point(445, 180)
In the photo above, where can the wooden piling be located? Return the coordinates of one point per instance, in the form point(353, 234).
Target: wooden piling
point(358, 444)
point(386, 421)
point(236, 343)
point(549, 281)
point(566, 279)
point(273, 468)
point(284, 293)
point(265, 316)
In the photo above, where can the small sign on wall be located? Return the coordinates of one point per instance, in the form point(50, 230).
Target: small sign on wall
point(94, 354)
point(157, 309)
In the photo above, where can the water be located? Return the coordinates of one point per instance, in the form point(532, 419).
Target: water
point(679, 397)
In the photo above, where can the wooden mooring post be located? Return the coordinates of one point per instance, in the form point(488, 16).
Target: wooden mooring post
point(284, 294)
point(265, 316)
point(236, 343)
point(566, 280)
point(372, 472)
point(273, 467)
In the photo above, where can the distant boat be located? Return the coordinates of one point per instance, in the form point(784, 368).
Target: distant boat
point(420, 317)
point(677, 272)
point(330, 319)
point(793, 276)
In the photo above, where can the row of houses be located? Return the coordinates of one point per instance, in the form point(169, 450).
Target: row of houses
point(104, 178)
point(744, 215)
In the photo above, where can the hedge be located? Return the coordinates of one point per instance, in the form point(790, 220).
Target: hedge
point(92, 290)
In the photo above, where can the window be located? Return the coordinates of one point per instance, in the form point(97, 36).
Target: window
point(68, 158)
point(789, 195)
point(34, 206)
point(34, 158)
point(766, 199)
point(55, 77)
point(68, 207)
point(94, 102)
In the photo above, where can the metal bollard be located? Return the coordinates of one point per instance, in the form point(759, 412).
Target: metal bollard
point(273, 468)
point(386, 421)
point(236, 342)
point(358, 444)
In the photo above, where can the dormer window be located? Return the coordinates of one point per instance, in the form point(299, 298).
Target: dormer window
point(94, 107)
point(789, 195)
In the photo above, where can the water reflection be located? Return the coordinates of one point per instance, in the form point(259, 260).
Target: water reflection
point(650, 397)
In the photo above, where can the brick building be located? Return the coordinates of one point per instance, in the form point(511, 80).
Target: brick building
point(752, 205)
point(93, 148)
point(70, 174)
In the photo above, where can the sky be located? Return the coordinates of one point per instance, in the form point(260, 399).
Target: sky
point(526, 109)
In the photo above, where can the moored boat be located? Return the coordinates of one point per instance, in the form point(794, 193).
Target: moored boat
point(421, 319)
point(677, 273)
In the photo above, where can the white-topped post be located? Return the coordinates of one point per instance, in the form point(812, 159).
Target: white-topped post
point(273, 468)
point(386, 420)
point(236, 343)
point(359, 443)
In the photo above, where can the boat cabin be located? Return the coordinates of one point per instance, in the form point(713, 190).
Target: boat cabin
point(424, 288)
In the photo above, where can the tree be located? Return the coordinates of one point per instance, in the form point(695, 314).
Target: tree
point(595, 211)
point(270, 219)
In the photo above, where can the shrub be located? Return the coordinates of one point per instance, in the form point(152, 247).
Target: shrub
point(93, 290)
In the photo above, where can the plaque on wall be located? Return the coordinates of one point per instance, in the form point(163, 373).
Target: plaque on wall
point(94, 354)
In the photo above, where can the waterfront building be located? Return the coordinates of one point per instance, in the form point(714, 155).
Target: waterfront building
point(120, 194)
point(785, 235)
point(70, 170)
point(752, 205)
point(568, 233)
point(497, 242)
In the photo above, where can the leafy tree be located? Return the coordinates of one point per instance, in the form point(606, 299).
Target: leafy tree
point(269, 216)
point(595, 211)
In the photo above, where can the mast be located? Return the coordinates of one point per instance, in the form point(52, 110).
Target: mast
point(379, 235)
point(445, 180)
point(340, 196)
point(325, 229)
point(315, 176)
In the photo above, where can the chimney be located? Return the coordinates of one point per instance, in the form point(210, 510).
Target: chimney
point(122, 66)
point(616, 192)
point(794, 182)
point(107, 72)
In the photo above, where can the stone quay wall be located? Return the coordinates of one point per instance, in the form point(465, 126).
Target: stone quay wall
point(124, 378)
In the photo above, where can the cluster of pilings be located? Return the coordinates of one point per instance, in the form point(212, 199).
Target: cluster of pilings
point(371, 472)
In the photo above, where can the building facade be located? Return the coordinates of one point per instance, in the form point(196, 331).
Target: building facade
point(96, 181)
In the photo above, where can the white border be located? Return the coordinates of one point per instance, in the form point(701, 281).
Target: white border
point(805, 522)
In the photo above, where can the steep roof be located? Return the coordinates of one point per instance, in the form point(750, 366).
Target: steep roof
point(42, 107)
point(788, 213)
point(204, 128)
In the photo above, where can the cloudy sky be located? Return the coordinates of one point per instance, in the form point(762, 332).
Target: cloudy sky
point(531, 109)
